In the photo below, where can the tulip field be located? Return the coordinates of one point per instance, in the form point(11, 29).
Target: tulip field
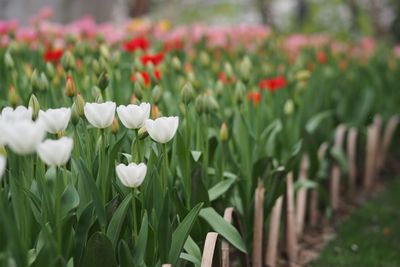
point(151, 145)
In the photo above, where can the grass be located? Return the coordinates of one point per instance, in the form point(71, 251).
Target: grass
point(370, 237)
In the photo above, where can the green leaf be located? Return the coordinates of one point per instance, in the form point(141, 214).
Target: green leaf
point(90, 186)
point(81, 232)
point(99, 252)
point(117, 220)
point(223, 228)
point(69, 200)
point(141, 244)
point(124, 254)
point(193, 251)
point(181, 233)
point(305, 184)
point(190, 258)
point(196, 155)
point(340, 157)
point(316, 120)
point(220, 188)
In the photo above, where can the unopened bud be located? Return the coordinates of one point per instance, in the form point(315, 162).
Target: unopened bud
point(68, 61)
point(142, 133)
point(289, 107)
point(239, 92)
point(102, 82)
point(204, 59)
point(35, 80)
point(223, 132)
point(96, 67)
point(50, 71)
point(219, 88)
point(34, 104)
point(134, 100)
point(80, 104)
point(303, 75)
point(74, 114)
point(115, 126)
point(13, 96)
point(8, 60)
point(104, 52)
point(211, 104)
point(200, 104)
point(187, 93)
point(70, 87)
point(138, 90)
point(155, 112)
point(156, 93)
point(228, 70)
point(245, 69)
point(44, 82)
point(176, 63)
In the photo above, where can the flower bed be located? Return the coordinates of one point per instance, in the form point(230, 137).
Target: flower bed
point(124, 145)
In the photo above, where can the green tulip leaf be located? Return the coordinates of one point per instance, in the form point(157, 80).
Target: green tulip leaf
point(117, 220)
point(69, 200)
point(99, 252)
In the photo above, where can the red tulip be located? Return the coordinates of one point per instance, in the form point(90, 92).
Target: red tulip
point(137, 43)
point(255, 97)
point(53, 55)
point(273, 84)
point(155, 59)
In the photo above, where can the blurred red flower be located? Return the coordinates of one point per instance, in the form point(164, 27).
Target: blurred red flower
point(136, 43)
point(255, 97)
point(273, 84)
point(157, 74)
point(155, 59)
point(53, 55)
point(224, 79)
point(321, 57)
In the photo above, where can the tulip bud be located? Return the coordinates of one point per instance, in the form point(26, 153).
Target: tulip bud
point(99, 97)
point(50, 71)
point(176, 63)
point(8, 60)
point(70, 87)
point(34, 104)
point(134, 100)
point(219, 88)
point(211, 104)
point(68, 61)
point(138, 90)
point(228, 70)
point(303, 75)
point(80, 104)
point(156, 93)
point(44, 82)
point(155, 112)
point(289, 107)
point(104, 52)
point(96, 67)
point(13, 96)
point(200, 104)
point(239, 92)
point(245, 69)
point(187, 93)
point(116, 58)
point(74, 114)
point(35, 81)
point(102, 82)
point(223, 132)
point(204, 59)
point(115, 126)
point(142, 133)
point(138, 64)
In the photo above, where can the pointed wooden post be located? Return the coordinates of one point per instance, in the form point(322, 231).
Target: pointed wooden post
point(258, 225)
point(387, 139)
point(352, 159)
point(301, 197)
point(314, 192)
point(208, 251)
point(291, 233)
point(273, 235)
point(225, 245)
point(369, 159)
point(335, 172)
point(377, 144)
point(166, 265)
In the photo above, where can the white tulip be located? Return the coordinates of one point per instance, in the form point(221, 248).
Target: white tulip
point(55, 120)
point(8, 114)
point(133, 116)
point(23, 136)
point(3, 162)
point(131, 175)
point(55, 152)
point(163, 129)
point(100, 115)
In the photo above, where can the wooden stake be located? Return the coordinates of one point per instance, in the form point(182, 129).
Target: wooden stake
point(377, 144)
point(273, 235)
point(352, 159)
point(314, 193)
point(166, 265)
point(301, 197)
point(258, 225)
point(225, 245)
point(369, 160)
point(387, 139)
point(291, 236)
point(335, 172)
point(208, 251)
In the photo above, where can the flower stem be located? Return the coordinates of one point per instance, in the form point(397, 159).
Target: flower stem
point(134, 233)
point(165, 167)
